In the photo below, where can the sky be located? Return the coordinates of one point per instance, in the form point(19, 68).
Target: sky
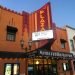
point(63, 11)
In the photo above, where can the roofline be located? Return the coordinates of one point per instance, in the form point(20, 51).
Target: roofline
point(7, 9)
point(70, 27)
point(61, 28)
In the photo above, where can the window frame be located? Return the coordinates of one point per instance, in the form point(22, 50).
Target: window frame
point(66, 66)
point(72, 44)
point(63, 43)
point(11, 36)
point(11, 33)
point(12, 68)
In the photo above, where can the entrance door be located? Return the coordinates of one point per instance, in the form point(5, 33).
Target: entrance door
point(42, 69)
point(30, 70)
point(54, 69)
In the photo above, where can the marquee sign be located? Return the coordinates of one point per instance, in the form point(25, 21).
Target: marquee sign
point(43, 18)
point(47, 34)
point(56, 54)
point(49, 54)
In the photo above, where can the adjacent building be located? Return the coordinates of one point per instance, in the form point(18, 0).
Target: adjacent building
point(71, 39)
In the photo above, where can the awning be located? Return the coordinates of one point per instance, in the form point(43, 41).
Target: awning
point(37, 54)
point(12, 29)
point(5, 54)
point(49, 54)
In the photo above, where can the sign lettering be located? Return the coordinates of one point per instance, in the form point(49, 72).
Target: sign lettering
point(42, 20)
point(56, 54)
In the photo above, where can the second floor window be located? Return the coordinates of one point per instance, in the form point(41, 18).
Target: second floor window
point(11, 36)
point(72, 44)
point(11, 33)
point(62, 43)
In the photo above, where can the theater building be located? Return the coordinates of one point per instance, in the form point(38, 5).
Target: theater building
point(31, 44)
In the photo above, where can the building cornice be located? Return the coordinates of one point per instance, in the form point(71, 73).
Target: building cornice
point(70, 27)
point(61, 28)
point(4, 8)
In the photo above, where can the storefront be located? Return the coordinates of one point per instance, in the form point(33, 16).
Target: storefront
point(73, 64)
point(44, 62)
point(42, 67)
point(39, 62)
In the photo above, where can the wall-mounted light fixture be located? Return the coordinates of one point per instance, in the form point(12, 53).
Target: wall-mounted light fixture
point(22, 43)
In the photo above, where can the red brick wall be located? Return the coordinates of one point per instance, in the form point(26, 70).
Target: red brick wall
point(60, 34)
point(10, 18)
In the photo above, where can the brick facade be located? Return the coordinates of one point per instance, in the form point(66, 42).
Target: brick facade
point(25, 24)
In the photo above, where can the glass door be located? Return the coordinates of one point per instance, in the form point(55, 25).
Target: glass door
point(30, 70)
point(42, 67)
point(54, 69)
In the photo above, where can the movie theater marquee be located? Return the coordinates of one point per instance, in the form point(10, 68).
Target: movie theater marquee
point(41, 35)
